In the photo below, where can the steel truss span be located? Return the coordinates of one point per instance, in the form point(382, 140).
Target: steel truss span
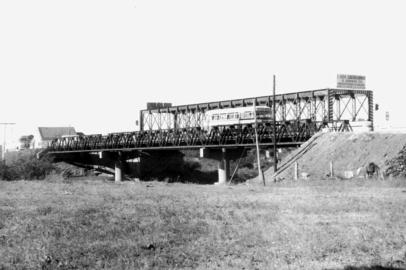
point(289, 133)
point(318, 105)
point(299, 116)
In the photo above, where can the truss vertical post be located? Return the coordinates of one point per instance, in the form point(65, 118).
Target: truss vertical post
point(283, 103)
point(354, 107)
point(159, 120)
point(330, 108)
point(314, 101)
point(175, 120)
point(371, 109)
point(298, 107)
point(338, 101)
point(141, 121)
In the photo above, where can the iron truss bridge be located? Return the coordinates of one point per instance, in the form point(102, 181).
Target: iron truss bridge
point(319, 105)
point(290, 133)
point(299, 116)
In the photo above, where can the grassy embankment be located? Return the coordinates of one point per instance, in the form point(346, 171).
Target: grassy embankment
point(99, 224)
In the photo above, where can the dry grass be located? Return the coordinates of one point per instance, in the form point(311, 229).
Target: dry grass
point(99, 224)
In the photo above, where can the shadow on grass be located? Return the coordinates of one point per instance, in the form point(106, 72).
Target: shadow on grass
point(200, 177)
point(174, 169)
point(373, 267)
point(194, 177)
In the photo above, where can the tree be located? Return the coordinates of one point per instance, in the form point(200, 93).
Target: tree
point(26, 141)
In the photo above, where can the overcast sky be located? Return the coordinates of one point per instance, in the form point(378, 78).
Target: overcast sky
point(93, 64)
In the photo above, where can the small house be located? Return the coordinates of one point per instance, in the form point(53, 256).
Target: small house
point(47, 134)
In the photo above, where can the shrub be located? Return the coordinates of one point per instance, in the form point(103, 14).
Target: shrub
point(26, 166)
point(7, 173)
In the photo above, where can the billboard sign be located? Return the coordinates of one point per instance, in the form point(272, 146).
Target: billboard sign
point(350, 81)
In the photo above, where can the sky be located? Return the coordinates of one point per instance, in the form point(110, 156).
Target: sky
point(94, 64)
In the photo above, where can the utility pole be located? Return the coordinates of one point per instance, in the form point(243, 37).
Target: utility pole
point(275, 158)
point(260, 174)
point(3, 150)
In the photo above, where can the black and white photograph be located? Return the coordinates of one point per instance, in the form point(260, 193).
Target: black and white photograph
point(190, 134)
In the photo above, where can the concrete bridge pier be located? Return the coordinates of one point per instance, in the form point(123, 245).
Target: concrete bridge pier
point(119, 162)
point(118, 171)
point(223, 156)
point(110, 158)
point(223, 168)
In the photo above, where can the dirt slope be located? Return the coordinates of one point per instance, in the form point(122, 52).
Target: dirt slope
point(348, 151)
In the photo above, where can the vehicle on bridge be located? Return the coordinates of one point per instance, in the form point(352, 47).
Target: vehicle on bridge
point(238, 116)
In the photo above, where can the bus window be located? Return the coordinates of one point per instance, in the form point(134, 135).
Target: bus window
point(248, 115)
point(264, 114)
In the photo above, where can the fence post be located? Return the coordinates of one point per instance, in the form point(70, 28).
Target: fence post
point(296, 176)
point(331, 169)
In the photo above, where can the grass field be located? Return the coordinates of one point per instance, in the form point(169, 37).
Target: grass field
point(97, 224)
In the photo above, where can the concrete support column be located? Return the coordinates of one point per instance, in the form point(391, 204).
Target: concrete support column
point(118, 167)
point(222, 173)
point(223, 168)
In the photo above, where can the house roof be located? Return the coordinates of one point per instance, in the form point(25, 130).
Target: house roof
point(49, 133)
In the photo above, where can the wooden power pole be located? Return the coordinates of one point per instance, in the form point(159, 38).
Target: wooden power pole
point(260, 173)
